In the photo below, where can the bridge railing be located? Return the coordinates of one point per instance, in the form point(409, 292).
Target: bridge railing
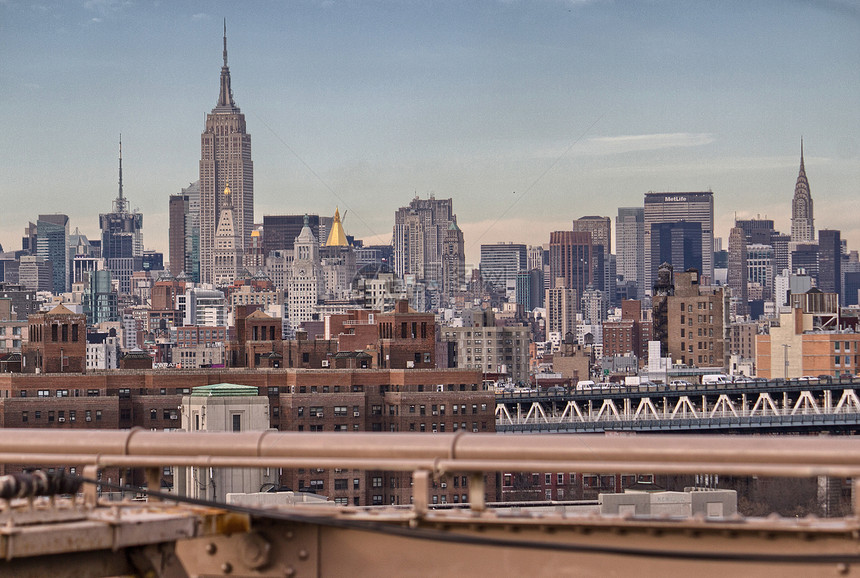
point(429, 456)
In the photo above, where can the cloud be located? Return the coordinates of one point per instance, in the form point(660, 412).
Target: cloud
point(200, 16)
point(96, 20)
point(645, 142)
point(106, 6)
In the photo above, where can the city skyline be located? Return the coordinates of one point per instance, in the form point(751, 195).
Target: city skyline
point(526, 115)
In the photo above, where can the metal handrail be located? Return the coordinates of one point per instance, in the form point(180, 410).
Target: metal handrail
point(467, 452)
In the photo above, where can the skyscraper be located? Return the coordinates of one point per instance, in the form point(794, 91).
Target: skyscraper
point(500, 263)
point(306, 284)
point(570, 259)
point(122, 230)
point(453, 261)
point(630, 245)
point(225, 158)
point(830, 261)
point(802, 225)
point(184, 232)
point(122, 237)
point(600, 229)
point(686, 208)
point(228, 245)
point(419, 231)
point(738, 271)
point(52, 244)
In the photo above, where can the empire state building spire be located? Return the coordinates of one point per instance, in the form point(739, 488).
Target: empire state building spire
point(802, 223)
point(225, 159)
point(225, 96)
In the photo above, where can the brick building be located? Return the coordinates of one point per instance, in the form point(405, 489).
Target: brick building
point(57, 342)
point(630, 334)
point(327, 401)
point(695, 319)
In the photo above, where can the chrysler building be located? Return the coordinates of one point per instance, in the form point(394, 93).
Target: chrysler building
point(802, 228)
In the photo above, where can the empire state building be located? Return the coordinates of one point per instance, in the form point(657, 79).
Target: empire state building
point(225, 158)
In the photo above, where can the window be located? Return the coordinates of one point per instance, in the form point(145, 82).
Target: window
point(317, 485)
point(341, 484)
point(153, 414)
point(316, 411)
point(25, 416)
point(237, 422)
point(340, 410)
point(356, 483)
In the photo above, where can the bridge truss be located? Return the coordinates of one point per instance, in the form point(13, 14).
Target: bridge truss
point(753, 406)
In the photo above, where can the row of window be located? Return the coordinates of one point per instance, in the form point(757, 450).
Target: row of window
point(60, 415)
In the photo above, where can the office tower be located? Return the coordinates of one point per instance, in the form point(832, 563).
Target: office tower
point(280, 231)
point(662, 208)
point(337, 259)
point(830, 261)
point(419, 230)
point(738, 272)
point(802, 225)
point(679, 244)
point(453, 261)
point(306, 284)
point(594, 306)
point(122, 230)
point(184, 232)
point(530, 289)
point(804, 259)
point(177, 207)
point(228, 252)
point(254, 259)
point(52, 244)
point(36, 273)
point(561, 304)
point(500, 263)
point(600, 229)
point(570, 258)
point(781, 253)
point(122, 237)
point(760, 269)
point(757, 230)
point(630, 245)
point(537, 257)
point(100, 301)
point(225, 158)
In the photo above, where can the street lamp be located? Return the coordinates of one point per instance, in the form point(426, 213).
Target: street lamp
point(785, 347)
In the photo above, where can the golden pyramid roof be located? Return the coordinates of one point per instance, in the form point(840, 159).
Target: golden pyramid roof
point(337, 236)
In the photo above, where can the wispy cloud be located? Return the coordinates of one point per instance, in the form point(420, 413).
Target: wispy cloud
point(104, 7)
point(200, 16)
point(645, 142)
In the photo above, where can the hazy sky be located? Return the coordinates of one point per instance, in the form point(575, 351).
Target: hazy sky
point(527, 114)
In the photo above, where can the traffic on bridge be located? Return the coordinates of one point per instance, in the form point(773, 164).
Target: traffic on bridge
point(753, 405)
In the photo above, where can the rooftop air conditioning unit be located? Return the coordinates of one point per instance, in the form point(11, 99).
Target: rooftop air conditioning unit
point(61, 420)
